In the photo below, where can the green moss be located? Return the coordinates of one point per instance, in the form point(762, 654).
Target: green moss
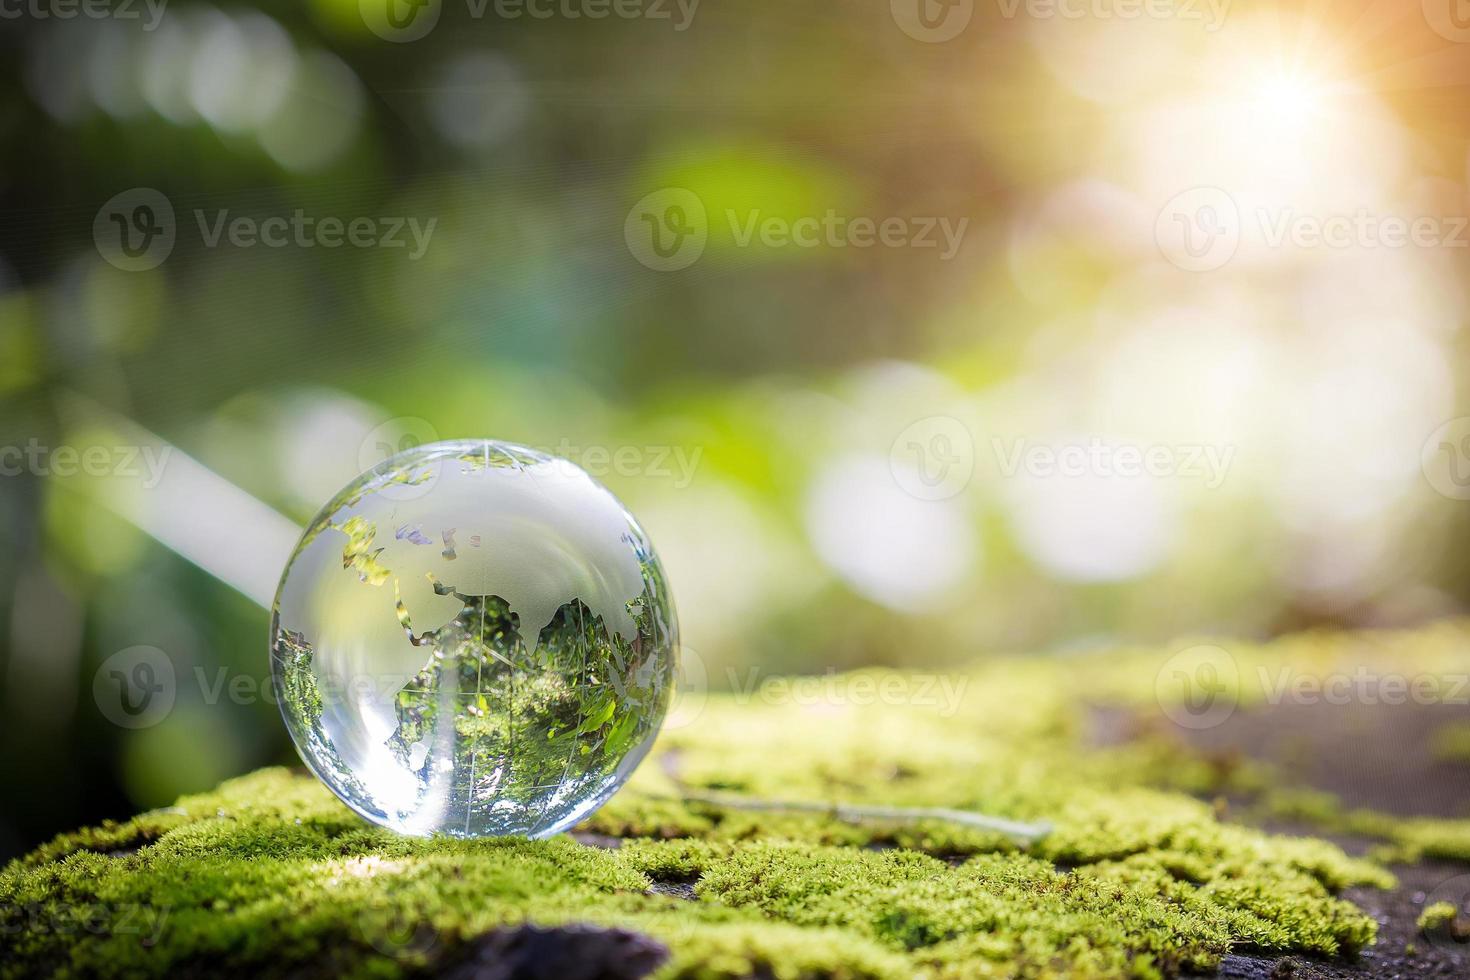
point(270, 870)
point(1406, 840)
point(1139, 877)
point(1437, 918)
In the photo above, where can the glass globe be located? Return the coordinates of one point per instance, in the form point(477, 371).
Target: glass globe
point(473, 638)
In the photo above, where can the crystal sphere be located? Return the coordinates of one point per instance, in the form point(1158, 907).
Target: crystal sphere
point(473, 638)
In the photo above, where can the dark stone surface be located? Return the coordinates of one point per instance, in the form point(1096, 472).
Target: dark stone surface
point(1375, 756)
point(566, 953)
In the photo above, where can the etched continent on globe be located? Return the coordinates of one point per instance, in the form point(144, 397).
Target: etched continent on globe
point(473, 638)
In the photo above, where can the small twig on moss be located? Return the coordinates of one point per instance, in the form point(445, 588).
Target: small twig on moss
point(856, 813)
point(851, 812)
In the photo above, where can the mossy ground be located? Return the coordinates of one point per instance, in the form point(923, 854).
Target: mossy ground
point(1146, 872)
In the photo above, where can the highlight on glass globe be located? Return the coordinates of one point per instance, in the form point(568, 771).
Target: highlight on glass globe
point(474, 638)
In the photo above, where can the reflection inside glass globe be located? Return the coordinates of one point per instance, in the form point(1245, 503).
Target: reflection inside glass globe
point(473, 638)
